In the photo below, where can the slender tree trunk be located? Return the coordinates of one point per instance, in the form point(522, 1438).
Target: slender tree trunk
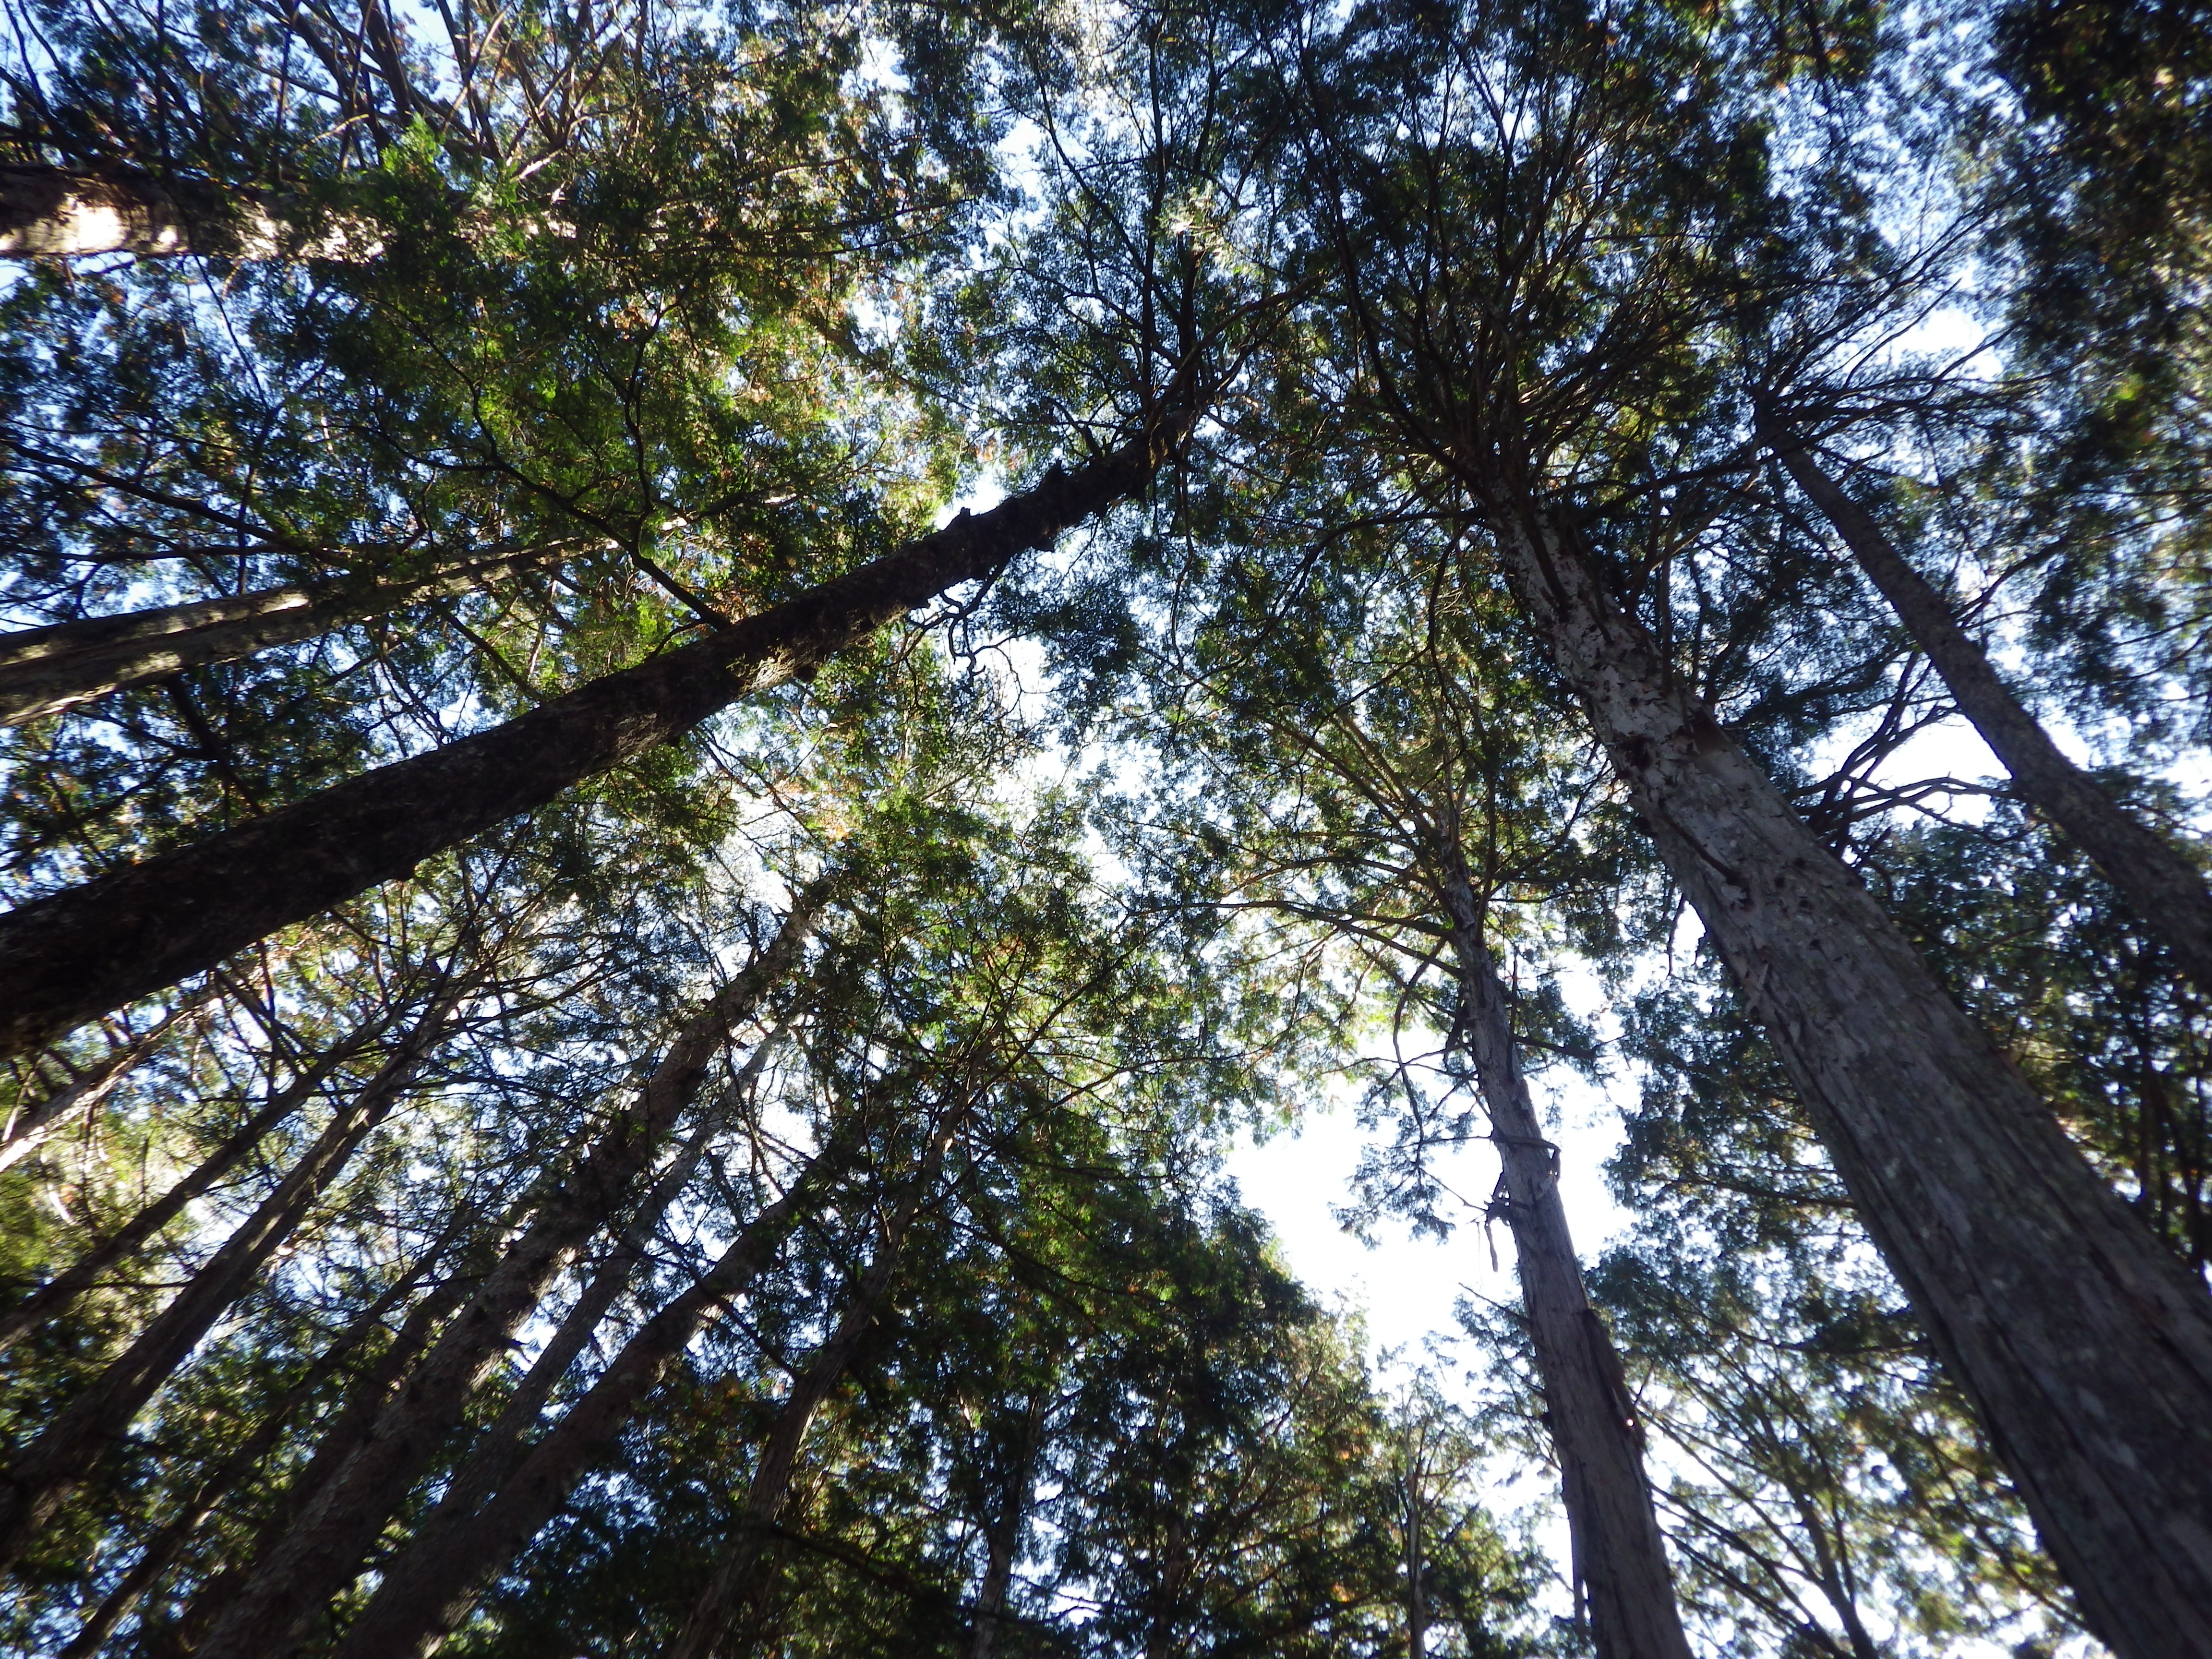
point(44, 671)
point(2167, 892)
point(163, 1548)
point(431, 1588)
point(2085, 1347)
point(57, 1293)
point(1005, 1542)
point(60, 213)
point(74, 956)
point(1417, 1606)
point(28, 1132)
point(1620, 1556)
point(42, 1475)
point(347, 1428)
point(322, 1550)
point(726, 1591)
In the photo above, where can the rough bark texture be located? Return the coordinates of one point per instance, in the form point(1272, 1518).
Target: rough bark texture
point(61, 213)
point(44, 671)
point(2085, 1347)
point(431, 1589)
point(37, 1479)
point(726, 1592)
point(1620, 1558)
point(322, 1550)
point(78, 954)
point(2168, 892)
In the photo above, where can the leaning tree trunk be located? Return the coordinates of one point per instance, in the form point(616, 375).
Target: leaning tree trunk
point(433, 1587)
point(322, 1550)
point(77, 954)
point(2167, 892)
point(37, 1481)
point(64, 213)
point(2085, 1347)
point(1621, 1559)
point(724, 1594)
point(44, 671)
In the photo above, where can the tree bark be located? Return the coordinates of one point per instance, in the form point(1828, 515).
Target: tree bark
point(322, 1550)
point(61, 213)
point(2167, 892)
point(725, 1592)
point(2084, 1347)
point(1621, 1557)
point(40, 1477)
point(77, 954)
point(63, 1288)
point(44, 671)
point(430, 1590)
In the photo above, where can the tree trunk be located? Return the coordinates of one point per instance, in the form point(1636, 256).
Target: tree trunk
point(163, 1548)
point(38, 1479)
point(48, 1301)
point(60, 213)
point(2084, 1345)
point(1621, 1559)
point(431, 1588)
point(76, 955)
point(322, 1550)
point(725, 1592)
point(44, 671)
point(1007, 1535)
point(2167, 892)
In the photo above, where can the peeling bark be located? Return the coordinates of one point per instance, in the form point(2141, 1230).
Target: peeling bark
point(2167, 892)
point(2084, 1345)
point(44, 671)
point(78, 954)
point(1620, 1558)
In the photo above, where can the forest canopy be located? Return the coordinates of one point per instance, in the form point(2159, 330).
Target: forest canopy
point(698, 700)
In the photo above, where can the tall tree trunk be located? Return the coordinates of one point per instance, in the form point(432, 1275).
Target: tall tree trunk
point(59, 1293)
point(1620, 1558)
point(162, 1549)
point(430, 1590)
point(28, 1131)
point(1006, 1544)
point(2167, 892)
point(2084, 1347)
point(44, 671)
point(76, 955)
point(61, 213)
point(726, 1591)
point(40, 1476)
point(322, 1550)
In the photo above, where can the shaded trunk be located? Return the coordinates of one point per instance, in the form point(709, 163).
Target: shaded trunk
point(40, 1476)
point(162, 1549)
point(28, 1131)
point(1005, 1542)
point(57, 1293)
point(322, 1551)
point(78, 954)
point(64, 213)
point(1620, 1558)
point(2084, 1347)
point(430, 1590)
point(2167, 892)
point(44, 671)
point(732, 1584)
